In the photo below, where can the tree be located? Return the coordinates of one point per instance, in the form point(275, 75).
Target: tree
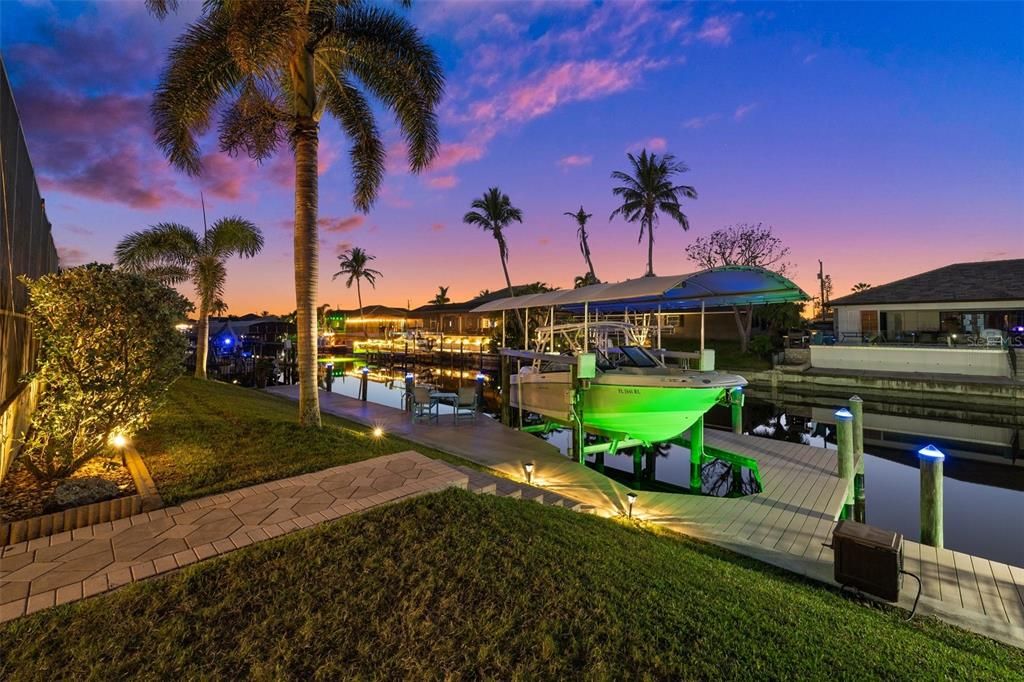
point(173, 253)
point(860, 286)
point(741, 244)
point(493, 213)
point(441, 297)
point(581, 218)
point(649, 192)
point(108, 352)
point(484, 292)
point(355, 263)
point(584, 280)
point(270, 70)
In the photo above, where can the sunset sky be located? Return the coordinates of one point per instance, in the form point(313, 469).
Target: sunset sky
point(885, 139)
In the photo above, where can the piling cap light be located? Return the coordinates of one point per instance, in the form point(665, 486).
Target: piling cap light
point(481, 376)
point(410, 375)
point(843, 414)
point(931, 452)
point(365, 370)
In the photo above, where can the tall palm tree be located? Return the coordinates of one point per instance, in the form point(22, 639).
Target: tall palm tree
point(582, 217)
point(355, 263)
point(493, 213)
point(270, 70)
point(174, 253)
point(441, 297)
point(648, 192)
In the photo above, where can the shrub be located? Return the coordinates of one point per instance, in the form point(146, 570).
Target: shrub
point(108, 350)
point(761, 346)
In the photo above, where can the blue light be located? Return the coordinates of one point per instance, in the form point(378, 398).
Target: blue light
point(931, 452)
point(843, 414)
point(227, 342)
point(365, 370)
point(481, 377)
point(410, 375)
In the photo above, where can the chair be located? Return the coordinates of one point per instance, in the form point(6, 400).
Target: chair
point(423, 404)
point(466, 403)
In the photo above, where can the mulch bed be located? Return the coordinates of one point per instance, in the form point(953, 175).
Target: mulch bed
point(22, 496)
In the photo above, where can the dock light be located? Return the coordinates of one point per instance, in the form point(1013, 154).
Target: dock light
point(365, 370)
point(931, 452)
point(631, 498)
point(529, 471)
point(410, 375)
point(481, 377)
point(843, 414)
point(378, 432)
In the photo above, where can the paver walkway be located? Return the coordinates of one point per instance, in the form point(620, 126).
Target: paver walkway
point(40, 573)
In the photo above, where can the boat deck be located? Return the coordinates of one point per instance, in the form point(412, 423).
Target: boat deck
point(787, 525)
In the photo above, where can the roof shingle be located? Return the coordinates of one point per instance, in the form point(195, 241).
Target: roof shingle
point(994, 280)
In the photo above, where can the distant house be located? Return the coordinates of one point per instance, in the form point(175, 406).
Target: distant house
point(977, 304)
point(249, 334)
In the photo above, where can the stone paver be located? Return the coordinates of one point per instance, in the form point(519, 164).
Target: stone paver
point(88, 561)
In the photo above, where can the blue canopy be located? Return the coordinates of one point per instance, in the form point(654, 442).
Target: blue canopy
point(716, 287)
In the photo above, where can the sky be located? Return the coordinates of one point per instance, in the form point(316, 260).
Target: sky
point(885, 139)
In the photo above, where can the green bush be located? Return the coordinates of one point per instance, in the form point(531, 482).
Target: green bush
point(108, 353)
point(761, 346)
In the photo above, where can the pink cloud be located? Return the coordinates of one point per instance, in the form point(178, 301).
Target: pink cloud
point(743, 110)
point(717, 30)
point(443, 181)
point(70, 256)
point(570, 82)
point(574, 160)
point(544, 241)
point(353, 222)
point(654, 144)
point(342, 247)
point(456, 153)
point(437, 227)
point(223, 176)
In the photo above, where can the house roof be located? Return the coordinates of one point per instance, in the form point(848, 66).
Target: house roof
point(473, 303)
point(371, 311)
point(994, 280)
point(728, 285)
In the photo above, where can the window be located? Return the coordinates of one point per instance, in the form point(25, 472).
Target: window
point(869, 323)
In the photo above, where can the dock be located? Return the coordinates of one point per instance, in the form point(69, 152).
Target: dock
point(788, 525)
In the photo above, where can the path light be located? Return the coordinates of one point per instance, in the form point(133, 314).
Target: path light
point(529, 472)
point(378, 432)
point(631, 498)
point(119, 441)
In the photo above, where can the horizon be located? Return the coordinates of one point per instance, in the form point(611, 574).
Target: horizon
point(868, 136)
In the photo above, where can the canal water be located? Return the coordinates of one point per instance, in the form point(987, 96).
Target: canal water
point(984, 489)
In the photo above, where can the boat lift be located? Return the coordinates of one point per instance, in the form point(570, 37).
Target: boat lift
point(639, 306)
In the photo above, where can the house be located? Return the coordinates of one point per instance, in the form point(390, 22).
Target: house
point(978, 304)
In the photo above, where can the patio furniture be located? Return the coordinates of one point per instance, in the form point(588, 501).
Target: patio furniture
point(424, 404)
point(466, 403)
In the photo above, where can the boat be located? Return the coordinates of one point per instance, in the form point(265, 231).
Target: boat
point(633, 394)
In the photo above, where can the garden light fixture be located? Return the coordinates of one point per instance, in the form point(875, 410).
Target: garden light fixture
point(529, 471)
point(631, 498)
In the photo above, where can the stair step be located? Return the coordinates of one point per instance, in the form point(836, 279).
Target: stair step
point(533, 495)
point(483, 487)
point(507, 489)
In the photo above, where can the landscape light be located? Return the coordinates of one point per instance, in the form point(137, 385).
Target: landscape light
point(931, 452)
point(631, 498)
point(118, 440)
point(529, 472)
point(378, 432)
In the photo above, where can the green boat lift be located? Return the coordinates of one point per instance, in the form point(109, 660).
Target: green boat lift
point(640, 302)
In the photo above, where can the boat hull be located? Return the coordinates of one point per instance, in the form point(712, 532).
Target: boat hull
point(617, 408)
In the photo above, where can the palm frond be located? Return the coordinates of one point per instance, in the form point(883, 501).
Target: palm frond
point(161, 245)
point(234, 235)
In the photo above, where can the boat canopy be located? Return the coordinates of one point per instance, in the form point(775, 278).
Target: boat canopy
point(721, 286)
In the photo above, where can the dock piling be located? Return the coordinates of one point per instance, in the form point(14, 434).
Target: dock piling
point(364, 381)
point(736, 408)
point(696, 453)
point(859, 496)
point(931, 459)
point(844, 446)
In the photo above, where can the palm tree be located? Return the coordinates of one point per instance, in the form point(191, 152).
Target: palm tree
point(648, 192)
point(584, 280)
point(270, 71)
point(441, 297)
point(860, 286)
point(494, 212)
point(354, 263)
point(582, 217)
point(173, 253)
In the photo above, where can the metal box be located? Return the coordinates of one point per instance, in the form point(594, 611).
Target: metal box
point(586, 366)
point(869, 559)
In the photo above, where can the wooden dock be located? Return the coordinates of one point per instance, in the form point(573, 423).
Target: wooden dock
point(787, 525)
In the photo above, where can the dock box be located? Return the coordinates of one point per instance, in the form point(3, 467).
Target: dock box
point(869, 559)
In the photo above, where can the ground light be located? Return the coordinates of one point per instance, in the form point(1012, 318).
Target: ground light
point(119, 441)
point(631, 498)
point(378, 432)
point(529, 471)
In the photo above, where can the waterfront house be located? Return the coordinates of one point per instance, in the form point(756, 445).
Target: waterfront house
point(964, 318)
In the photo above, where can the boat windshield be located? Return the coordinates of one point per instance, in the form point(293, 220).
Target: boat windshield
point(636, 357)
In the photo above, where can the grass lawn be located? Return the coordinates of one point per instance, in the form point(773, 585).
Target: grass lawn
point(460, 586)
point(211, 437)
point(727, 354)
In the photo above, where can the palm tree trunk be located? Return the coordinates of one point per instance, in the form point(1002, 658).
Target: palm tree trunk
point(359, 296)
point(305, 139)
point(650, 248)
point(508, 283)
point(202, 340)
